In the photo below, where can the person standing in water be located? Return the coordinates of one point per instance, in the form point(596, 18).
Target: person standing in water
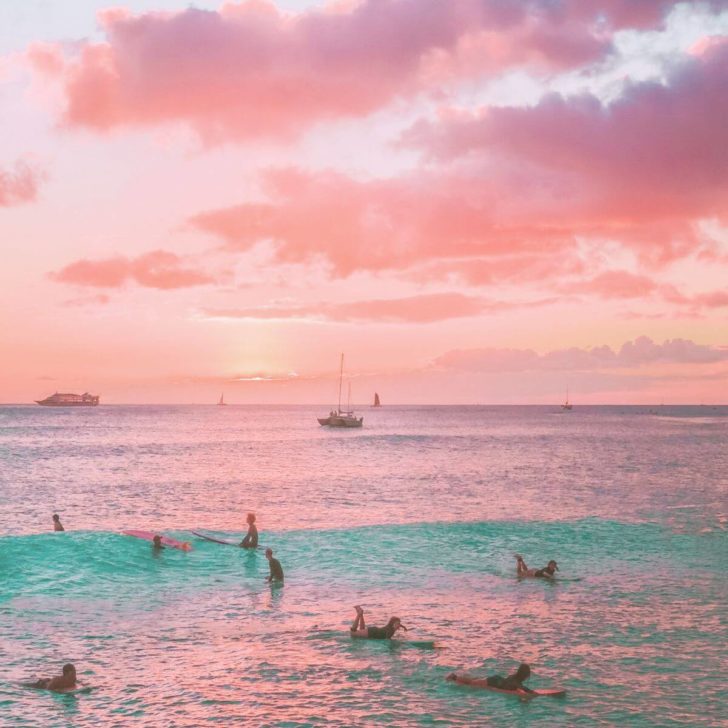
point(359, 628)
point(276, 571)
point(157, 543)
point(251, 538)
point(546, 573)
point(513, 682)
point(57, 525)
point(62, 682)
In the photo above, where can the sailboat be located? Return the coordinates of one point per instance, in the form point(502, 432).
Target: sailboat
point(377, 403)
point(339, 417)
point(567, 405)
point(222, 402)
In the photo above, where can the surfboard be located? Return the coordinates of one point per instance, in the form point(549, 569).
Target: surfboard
point(553, 693)
point(205, 537)
point(166, 540)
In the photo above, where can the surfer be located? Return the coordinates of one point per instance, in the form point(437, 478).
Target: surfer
point(251, 538)
point(276, 571)
point(546, 573)
point(57, 525)
point(360, 629)
point(157, 543)
point(513, 682)
point(61, 682)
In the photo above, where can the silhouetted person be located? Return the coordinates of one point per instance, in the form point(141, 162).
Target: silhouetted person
point(57, 525)
point(251, 538)
point(61, 682)
point(276, 571)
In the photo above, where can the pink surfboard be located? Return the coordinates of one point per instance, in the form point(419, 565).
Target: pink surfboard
point(553, 693)
point(166, 540)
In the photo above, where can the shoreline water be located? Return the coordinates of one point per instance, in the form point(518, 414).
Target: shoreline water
point(419, 517)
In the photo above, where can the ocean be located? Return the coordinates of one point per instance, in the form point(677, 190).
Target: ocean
point(417, 514)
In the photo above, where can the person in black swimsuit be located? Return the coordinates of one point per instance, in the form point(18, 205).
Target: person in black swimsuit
point(276, 570)
point(359, 628)
point(251, 538)
point(546, 573)
point(512, 682)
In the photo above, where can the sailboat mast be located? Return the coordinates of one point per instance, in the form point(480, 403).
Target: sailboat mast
point(341, 377)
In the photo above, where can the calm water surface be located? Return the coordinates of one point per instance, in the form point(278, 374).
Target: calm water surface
point(417, 514)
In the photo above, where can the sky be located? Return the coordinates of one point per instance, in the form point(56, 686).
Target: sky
point(476, 201)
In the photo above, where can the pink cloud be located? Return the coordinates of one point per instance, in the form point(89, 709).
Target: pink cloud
point(422, 309)
point(157, 269)
point(640, 352)
point(642, 169)
point(386, 224)
point(19, 185)
point(249, 69)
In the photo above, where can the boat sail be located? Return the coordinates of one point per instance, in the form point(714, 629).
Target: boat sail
point(377, 403)
point(567, 405)
point(339, 417)
point(221, 401)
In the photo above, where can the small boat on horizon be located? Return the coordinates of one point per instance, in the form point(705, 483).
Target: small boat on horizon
point(339, 417)
point(377, 403)
point(222, 402)
point(567, 405)
point(61, 399)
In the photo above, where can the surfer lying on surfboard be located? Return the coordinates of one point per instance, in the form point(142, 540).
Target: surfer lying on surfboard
point(65, 681)
point(546, 573)
point(359, 628)
point(512, 684)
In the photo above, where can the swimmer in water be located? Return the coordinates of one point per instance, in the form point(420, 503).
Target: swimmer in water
point(359, 628)
point(57, 525)
point(251, 538)
point(512, 682)
point(546, 573)
point(65, 681)
point(276, 570)
point(157, 543)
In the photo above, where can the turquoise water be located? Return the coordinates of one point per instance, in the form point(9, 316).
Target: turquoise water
point(417, 515)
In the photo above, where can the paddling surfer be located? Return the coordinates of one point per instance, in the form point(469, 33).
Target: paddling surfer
point(65, 681)
point(513, 682)
point(547, 572)
point(359, 628)
point(251, 538)
point(276, 570)
point(57, 525)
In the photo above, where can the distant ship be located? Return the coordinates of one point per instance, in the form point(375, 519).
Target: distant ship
point(222, 402)
point(377, 403)
point(69, 400)
point(567, 405)
point(339, 417)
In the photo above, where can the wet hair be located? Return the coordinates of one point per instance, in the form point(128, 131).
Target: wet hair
point(157, 539)
point(391, 626)
point(250, 518)
point(553, 564)
point(55, 516)
point(523, 672)
point(68, 668)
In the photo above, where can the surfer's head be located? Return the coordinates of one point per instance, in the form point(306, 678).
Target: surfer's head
point(157, 540)
point(523, 672)
point(69, 670)
point(251, 518)
point(394, 624)
point(553, 566)
point(269, 553)
point(56, 517)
